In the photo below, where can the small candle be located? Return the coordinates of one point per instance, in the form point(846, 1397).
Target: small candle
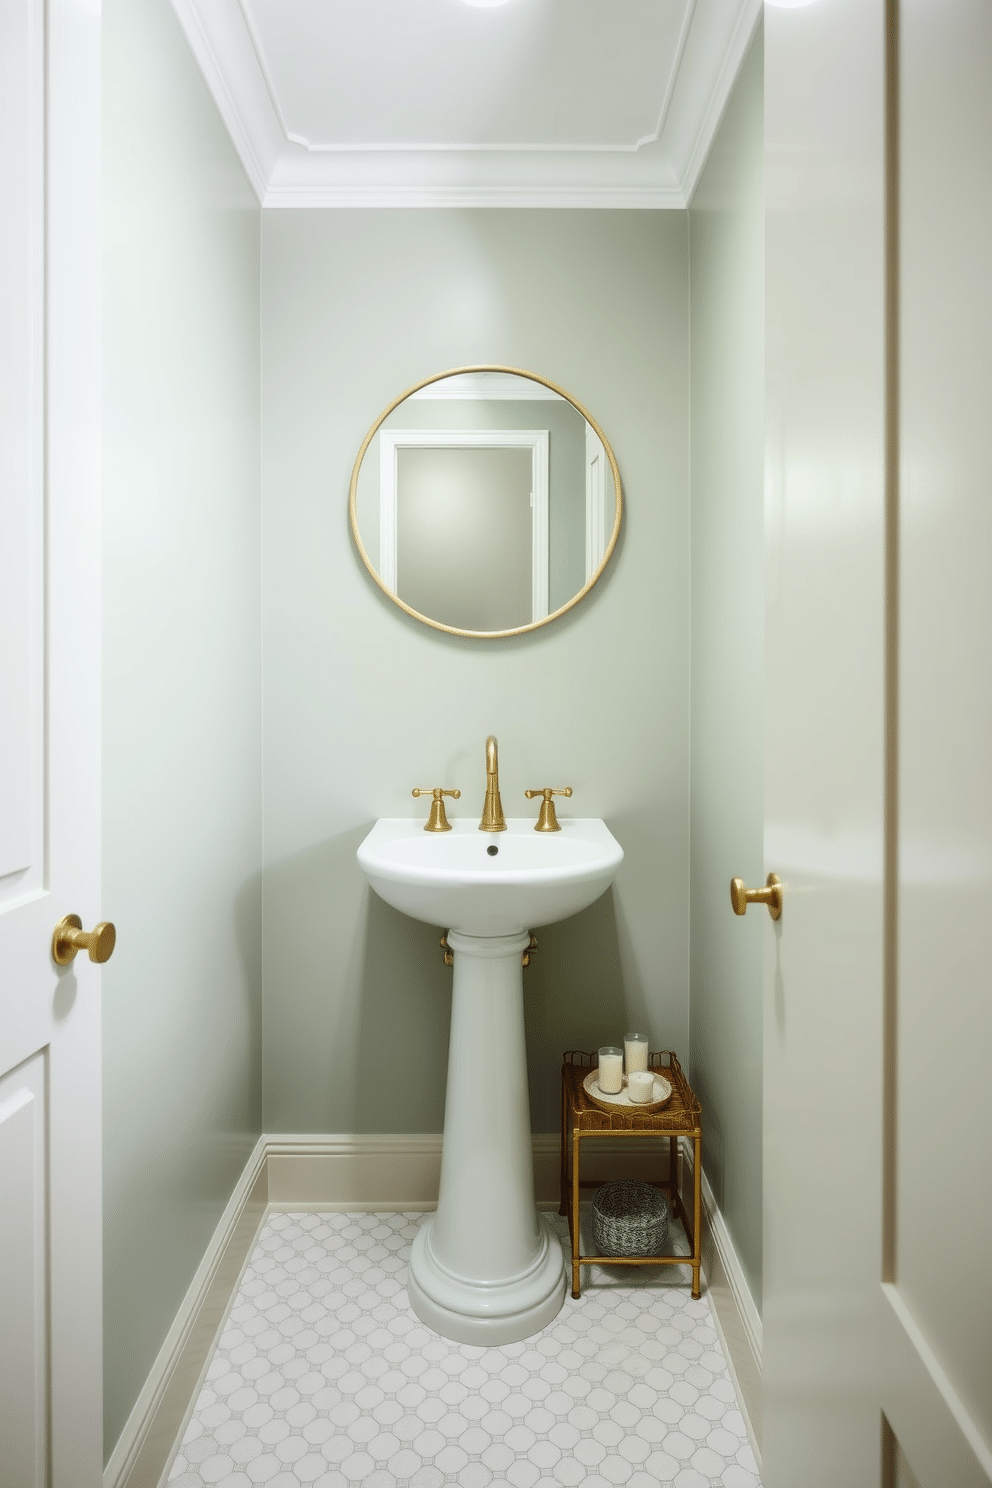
point(635, 1049)
point(640, 1086)
point(610, 1070)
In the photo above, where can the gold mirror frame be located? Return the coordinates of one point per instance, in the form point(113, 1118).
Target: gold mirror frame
point(484, 635)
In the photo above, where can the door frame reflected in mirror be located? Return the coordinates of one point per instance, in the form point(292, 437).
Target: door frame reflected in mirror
point(391, 441)
point(596, 496)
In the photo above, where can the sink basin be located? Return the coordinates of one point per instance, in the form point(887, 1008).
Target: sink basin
point(455, 880)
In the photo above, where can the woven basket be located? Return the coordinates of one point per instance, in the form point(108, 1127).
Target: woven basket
point(629, 1219)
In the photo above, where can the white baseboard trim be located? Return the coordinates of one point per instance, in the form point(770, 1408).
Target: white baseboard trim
point(381, 1172)
point(146, 1444)
point(735, 1315)
point(743, 1301)
point(388, 1172)
point(392, 1171)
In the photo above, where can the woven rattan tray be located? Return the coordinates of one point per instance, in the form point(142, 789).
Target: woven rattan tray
point(623, 1102)
point(682, 1113)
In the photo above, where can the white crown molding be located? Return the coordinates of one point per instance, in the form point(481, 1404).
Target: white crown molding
point(224, 54)
point(657, 172)
point(673, 77)
point(531, 178)
point(720, 79)
point(466, 197)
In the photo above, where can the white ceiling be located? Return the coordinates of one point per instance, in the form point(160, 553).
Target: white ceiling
point(586, 103)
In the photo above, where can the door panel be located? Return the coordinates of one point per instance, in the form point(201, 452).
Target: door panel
point(938, 1443)
point(824, 671)
point(21, 448)
point(877, 1311)
point(23, 1302)
point(50, 1272)
point(938, 1314)
point(24, 1356)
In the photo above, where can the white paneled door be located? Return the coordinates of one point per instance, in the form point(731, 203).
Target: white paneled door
point(937, 1301)
point(50, 1203)
point(824, 740)
point(878, 1209)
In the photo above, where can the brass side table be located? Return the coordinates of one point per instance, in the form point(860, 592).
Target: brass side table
point(581, 1118)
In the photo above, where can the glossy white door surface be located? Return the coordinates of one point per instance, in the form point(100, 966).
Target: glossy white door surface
point(50, 1281)
point(937, 1313)
point(824, 516)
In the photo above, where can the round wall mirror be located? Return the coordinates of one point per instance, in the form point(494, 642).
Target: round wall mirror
point(485, 501)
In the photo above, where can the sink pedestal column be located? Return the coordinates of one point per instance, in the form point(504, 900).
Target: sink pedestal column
point(486, 1268)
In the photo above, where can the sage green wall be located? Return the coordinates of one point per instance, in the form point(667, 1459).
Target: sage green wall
point(362, 703)
point(182, 680)
point(726, 234)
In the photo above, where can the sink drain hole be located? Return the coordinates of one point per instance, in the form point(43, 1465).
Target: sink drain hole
point(492, 850)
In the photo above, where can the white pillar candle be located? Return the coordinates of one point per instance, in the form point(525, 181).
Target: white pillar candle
point(640, 1086)
point(610, 1070)
point(635, 1049)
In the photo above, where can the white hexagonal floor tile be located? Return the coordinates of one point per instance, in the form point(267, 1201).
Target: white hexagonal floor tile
point(324, 1376)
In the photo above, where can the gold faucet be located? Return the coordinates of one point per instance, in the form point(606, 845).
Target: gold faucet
point(493, 819)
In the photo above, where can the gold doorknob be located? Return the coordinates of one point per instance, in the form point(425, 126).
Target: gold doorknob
point(68, 937)
point(740, 897)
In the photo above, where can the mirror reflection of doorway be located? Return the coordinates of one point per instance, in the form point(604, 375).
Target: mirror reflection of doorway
point(463, 524)
point(463, 535)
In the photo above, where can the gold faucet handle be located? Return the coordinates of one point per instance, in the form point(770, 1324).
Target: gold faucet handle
point(547, 821)
point(437, 821)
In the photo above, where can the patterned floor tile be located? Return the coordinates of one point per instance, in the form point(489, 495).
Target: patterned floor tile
point(324, 1376)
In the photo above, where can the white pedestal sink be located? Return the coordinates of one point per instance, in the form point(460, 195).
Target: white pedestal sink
point(485, 1269)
